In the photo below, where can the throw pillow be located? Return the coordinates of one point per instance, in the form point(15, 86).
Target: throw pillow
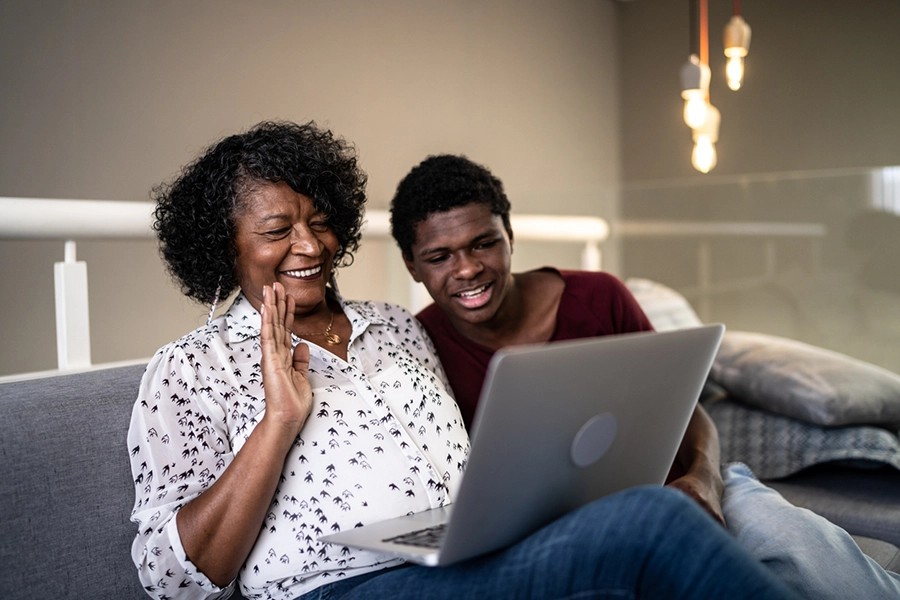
point(774, 446)
point(805, 382)
point(666, 308)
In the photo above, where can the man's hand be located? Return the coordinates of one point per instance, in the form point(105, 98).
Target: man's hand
point(704, 492)
point(698, 460)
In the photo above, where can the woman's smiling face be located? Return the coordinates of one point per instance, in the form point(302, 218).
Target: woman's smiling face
point(281, 236)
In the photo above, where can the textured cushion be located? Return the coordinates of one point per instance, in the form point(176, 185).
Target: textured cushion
point(774, 446)
point(66, 493)
point(805, 382)
point(666, 308)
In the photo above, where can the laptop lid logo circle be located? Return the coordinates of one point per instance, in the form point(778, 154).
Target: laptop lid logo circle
point(593, 439)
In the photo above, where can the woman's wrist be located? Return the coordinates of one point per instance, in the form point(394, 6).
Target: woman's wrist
point(280, 432)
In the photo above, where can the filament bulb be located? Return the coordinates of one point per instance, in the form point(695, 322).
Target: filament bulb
point(703, 156)
point(695, 109)
point(734, 71)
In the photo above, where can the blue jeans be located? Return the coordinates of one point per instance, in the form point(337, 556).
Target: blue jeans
point(647, 542)
point(813, 556)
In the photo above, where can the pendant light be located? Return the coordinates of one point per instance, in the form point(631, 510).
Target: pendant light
point(736, 41)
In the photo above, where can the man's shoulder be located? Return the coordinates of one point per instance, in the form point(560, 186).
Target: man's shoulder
point(591, 280)
point(431, 316)
point(436, 324)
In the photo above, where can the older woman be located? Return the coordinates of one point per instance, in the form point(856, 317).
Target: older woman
point(297, 413)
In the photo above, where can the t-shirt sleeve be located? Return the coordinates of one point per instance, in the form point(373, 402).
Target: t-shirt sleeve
point(597, 304)
point(630, 315)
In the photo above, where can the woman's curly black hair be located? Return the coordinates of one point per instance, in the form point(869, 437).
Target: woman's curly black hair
point(195, 213)
point(438, 184)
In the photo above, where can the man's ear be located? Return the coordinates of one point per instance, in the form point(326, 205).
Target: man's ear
point(411, 268)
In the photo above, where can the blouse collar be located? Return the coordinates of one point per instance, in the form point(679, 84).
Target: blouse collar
point(243, 322)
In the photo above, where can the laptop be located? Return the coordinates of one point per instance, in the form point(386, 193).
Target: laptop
point(558, 425)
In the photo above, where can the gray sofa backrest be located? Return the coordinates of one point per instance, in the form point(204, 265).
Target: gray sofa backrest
point(65, 487)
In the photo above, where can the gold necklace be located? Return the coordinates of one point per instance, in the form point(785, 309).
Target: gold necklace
point(332, 339)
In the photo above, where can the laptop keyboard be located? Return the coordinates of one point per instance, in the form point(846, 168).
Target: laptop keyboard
point(430, 537)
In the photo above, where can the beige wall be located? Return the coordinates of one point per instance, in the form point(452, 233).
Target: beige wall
point(800, 142)
point(103, 99)
point(567, 101)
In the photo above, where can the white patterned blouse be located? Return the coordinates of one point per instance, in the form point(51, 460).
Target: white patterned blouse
point(384, 438)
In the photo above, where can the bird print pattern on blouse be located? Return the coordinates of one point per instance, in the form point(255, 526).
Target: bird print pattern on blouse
point(384, 438)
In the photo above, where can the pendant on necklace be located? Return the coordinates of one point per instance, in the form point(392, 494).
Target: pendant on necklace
point(333, 339)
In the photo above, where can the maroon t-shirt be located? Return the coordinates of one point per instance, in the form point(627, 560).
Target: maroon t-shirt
point(592, 304)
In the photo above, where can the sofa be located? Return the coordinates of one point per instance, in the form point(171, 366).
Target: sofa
point(66, 491)
point(65, 487)
point(820, 427)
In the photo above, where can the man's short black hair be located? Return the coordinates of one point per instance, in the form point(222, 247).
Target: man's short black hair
point(438, 184)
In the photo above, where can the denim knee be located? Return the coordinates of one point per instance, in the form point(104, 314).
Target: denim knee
point(658, 502)
point(645, 512)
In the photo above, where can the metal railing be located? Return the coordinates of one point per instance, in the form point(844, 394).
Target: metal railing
point(68, 220)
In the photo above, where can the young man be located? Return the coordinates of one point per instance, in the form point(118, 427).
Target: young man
point(450, 218)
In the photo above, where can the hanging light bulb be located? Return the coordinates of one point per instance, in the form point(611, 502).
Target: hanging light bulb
point(734, 72)
point(695, 89)
point(736, 39)
point(695, 108)
point(703, 157)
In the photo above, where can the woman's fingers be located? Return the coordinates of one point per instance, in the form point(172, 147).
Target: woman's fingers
point(277, 315)
point(289, 320)
point(285, 372)
point(273, 335)
point(301, 360)
point(280, 302)
point(265, 330)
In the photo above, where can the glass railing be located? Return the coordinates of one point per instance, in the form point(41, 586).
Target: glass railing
point(827, 274)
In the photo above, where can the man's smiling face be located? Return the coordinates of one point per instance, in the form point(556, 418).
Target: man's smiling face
point(463, 257)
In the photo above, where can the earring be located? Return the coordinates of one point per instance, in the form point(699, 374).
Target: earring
point(212, 308)
point(333, 282)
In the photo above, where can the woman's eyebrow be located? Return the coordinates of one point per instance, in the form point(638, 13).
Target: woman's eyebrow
point(286, 217)
point(267, 218)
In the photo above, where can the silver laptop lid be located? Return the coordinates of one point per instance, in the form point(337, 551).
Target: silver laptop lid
point(562, 424)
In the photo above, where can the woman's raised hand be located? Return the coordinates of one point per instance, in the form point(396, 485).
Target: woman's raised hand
point(285, 372)
point(219, 527)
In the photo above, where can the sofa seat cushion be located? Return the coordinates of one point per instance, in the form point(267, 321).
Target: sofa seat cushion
point(862, 501)
point(66, 494)
point(885, 554)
